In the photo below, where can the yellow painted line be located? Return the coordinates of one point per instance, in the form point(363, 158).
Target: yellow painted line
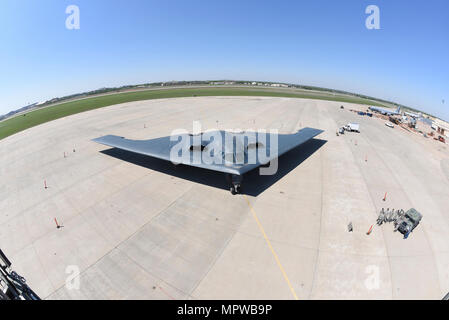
point(271, 248)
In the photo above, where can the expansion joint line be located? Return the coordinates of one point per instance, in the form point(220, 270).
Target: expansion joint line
point(271, 248)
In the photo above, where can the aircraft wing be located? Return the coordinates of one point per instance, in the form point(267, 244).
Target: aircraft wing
point(159, 148)
point(286, 142)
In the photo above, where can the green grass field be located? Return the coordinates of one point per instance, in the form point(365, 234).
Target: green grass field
point(39, 116)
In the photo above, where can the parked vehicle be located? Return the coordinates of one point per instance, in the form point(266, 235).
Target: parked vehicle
point(352, 127)
point(408, 221)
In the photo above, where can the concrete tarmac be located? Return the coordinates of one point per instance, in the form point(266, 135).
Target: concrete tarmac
point(140, 228)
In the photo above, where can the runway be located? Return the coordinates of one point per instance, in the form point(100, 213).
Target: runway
point(141, 228)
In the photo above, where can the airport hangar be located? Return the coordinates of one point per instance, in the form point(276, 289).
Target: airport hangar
point(137, 228)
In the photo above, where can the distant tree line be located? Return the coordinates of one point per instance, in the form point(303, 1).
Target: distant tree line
point(189, 83)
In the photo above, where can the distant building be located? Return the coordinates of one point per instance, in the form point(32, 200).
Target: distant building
point(442, 127)
point(422, 124)
point(426, 121)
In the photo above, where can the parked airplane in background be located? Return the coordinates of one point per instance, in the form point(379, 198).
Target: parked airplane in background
point(413, 115)
point(385, 111)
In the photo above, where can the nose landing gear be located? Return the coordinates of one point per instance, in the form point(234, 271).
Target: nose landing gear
point(235, 189)
point(236, 184)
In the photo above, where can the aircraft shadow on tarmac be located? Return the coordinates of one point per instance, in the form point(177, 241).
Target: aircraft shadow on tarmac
point(253, 184)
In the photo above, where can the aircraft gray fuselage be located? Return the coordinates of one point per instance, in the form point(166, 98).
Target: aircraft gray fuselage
point(386, 111)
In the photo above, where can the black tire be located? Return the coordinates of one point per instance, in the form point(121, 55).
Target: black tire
point(232, 189)
point(238, 189)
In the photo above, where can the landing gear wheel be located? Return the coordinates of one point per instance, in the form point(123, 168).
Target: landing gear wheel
point(235, 189)
point(235, 181)
point(238, 189)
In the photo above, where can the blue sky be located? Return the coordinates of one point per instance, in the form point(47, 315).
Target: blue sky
point(322, 43)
